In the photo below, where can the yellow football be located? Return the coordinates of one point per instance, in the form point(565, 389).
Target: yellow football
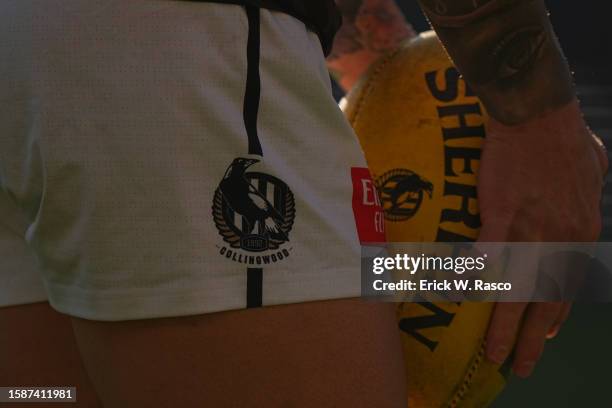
point(422, 129)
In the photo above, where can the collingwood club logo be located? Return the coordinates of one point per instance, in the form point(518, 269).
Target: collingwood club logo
point(254, 213)
point(401, 193)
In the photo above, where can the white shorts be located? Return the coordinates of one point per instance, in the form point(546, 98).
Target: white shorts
point(20, 281)
point(123, 140)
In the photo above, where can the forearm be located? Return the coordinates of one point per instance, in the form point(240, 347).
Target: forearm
point(370, 29)
point(507, 52)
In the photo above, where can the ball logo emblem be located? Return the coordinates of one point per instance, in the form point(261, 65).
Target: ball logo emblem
point(401, 193)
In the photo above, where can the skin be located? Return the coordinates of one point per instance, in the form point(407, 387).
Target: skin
point(38, 348)
point(252, 354)
point(333, 353)
point(537, 142)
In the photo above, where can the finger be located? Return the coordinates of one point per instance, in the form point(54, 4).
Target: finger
point(522, 271)
point(503, 328)
point(563, 315)
point(539, 318)
point(493, 230)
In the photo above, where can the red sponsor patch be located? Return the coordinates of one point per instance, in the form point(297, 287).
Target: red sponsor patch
point(369, 216)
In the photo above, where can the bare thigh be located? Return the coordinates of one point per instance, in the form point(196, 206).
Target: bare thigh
point(319, 354)
point(37, 348)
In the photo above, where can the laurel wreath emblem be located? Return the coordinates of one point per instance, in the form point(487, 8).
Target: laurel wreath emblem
point(225, 231)
point(233, 239)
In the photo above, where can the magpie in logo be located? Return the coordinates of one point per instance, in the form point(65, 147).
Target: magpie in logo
point(253, 211)
point(401, 193)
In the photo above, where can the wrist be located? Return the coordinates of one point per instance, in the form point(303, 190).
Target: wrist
point(507, 52)
point(559, 122)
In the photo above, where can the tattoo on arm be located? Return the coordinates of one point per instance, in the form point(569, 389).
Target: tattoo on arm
point(507, 51)
point(370, 29)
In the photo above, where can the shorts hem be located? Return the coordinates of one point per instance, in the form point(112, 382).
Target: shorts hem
point(156, 303)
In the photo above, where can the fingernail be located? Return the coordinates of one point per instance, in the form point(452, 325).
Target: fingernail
point(525, 369)
point(499, 354)
point(552, 333)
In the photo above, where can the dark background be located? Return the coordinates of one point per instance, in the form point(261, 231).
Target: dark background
point(576, 369)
